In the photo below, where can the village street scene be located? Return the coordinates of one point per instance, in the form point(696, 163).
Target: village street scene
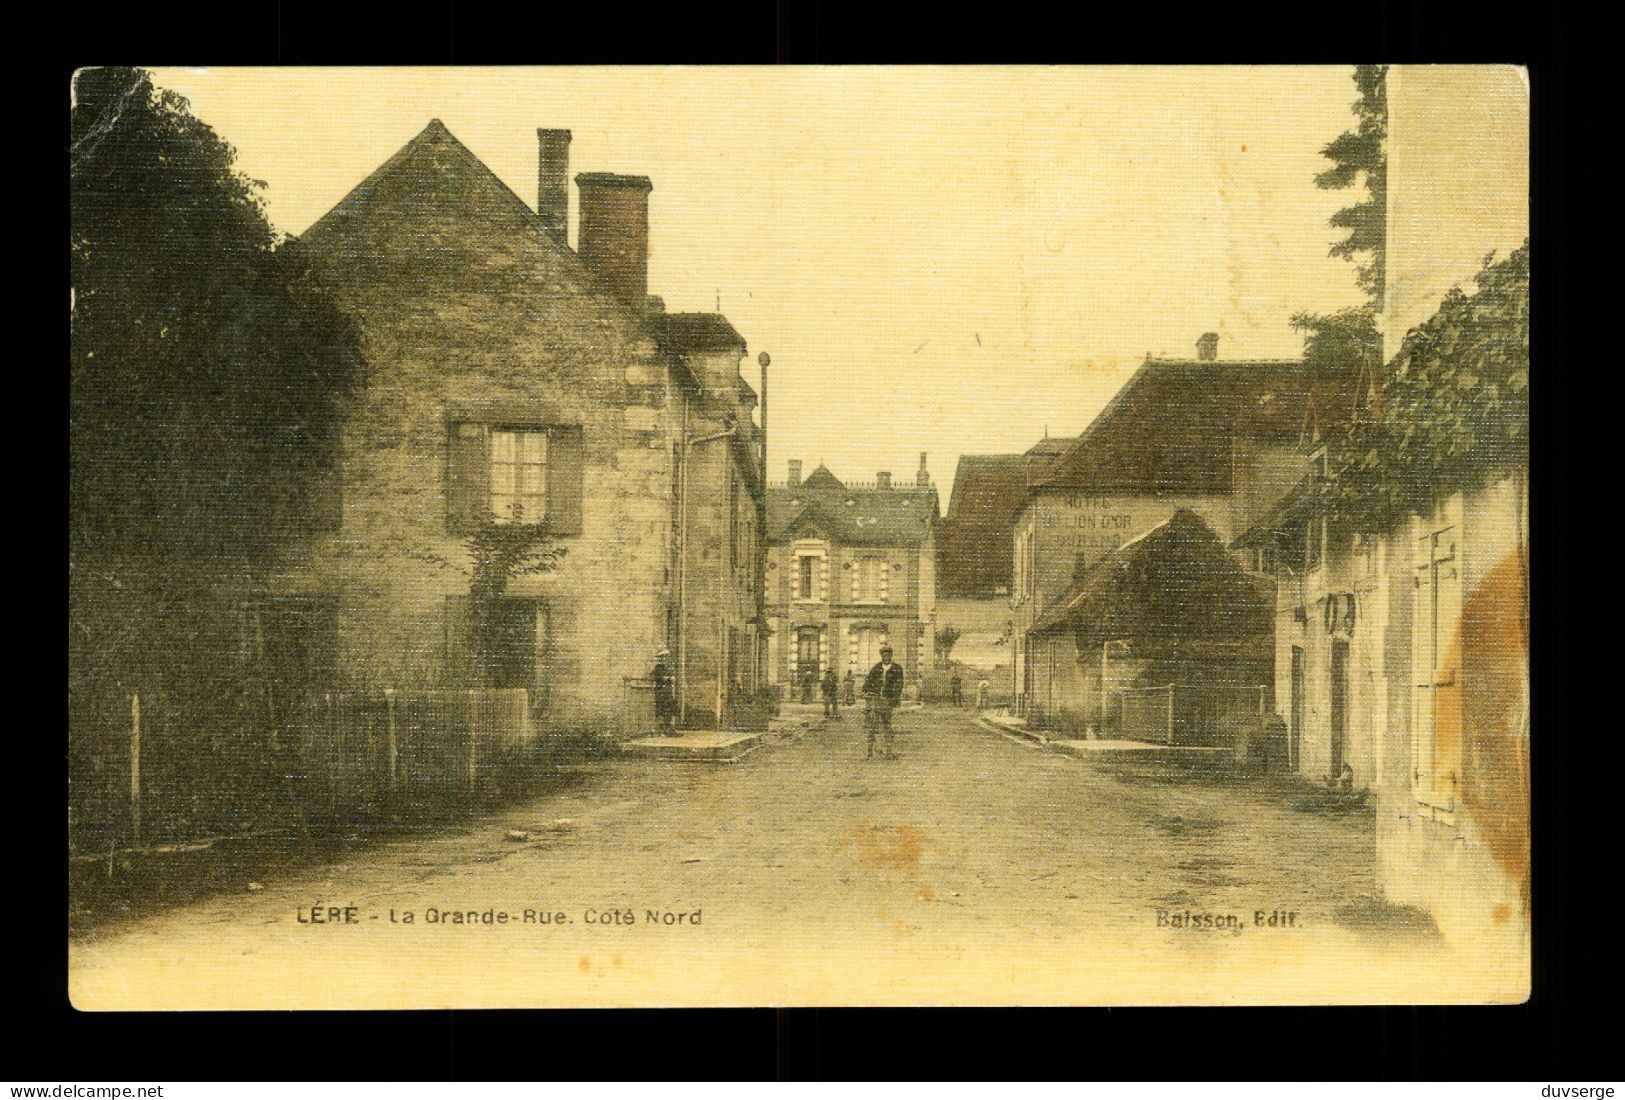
point(989, 536)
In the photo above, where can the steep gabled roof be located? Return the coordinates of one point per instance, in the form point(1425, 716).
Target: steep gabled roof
point(689, 333)
point(433, 141)
point(904, 516)
point(822, 479)
point(974, 558)
point(1173, 584)
point(1171, 427)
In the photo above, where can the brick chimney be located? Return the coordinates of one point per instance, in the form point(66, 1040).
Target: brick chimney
point(553, 182)
point(922, 479)
point(794, 478)
point(614, 235)
point(883, 479)
point(1207, 347)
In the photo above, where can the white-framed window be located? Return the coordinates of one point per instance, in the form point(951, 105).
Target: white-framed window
point(1023, 560)
point(863, 647)
point(1436, 659)
point(871, 579)
point(518, 475)
point(809, 572)
point(1260, 560)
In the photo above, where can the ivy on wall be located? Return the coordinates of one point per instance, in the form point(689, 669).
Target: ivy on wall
point(1452, 412)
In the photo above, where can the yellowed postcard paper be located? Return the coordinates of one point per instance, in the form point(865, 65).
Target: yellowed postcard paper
point(798, 536)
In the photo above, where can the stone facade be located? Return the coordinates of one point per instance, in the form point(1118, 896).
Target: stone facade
point(850, 568)
point(1219, 438)
point(1402, 654)
point(480, 327)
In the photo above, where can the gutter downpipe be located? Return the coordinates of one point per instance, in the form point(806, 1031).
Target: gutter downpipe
point(682, 566)
point(682, 590)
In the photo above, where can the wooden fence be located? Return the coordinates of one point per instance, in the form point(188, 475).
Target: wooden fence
point(155, 772)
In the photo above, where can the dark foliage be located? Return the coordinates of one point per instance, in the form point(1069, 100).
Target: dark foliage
point(1359, 158)
point(1453, 410)
point(207, 371)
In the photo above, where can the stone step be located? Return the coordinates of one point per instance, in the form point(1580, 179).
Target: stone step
point(707, 746)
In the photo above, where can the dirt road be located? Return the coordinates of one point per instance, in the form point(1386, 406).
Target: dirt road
point(973, 869)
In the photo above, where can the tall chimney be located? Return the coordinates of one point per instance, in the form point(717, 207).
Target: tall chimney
point(1207, 347)
point(922, 479)
point(614, 235)
point(795, 473)
point(553, 182)
point(883, 479)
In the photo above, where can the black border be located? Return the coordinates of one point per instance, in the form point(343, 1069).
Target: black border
point(1560, 1035)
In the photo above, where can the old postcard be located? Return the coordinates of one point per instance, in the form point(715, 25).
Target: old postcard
point(799, 536)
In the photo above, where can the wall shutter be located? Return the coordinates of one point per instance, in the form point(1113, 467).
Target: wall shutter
point(460, 665)
point(565, 469)
point(467, 472)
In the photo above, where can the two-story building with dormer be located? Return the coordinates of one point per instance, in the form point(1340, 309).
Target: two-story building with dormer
point(851, 567)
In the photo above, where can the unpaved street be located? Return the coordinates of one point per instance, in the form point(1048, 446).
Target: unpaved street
point(972, 862)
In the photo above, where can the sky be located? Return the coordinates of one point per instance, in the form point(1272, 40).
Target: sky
point(947, 260)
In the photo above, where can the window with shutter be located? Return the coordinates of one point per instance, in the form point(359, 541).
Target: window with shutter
point(518, 475)
point(514, 475)
point(1435, 657)
point(565, 480)
point(467, 448)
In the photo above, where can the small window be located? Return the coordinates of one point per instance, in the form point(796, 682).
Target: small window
point(869, 580)
point(518, 476)
point(804, 577)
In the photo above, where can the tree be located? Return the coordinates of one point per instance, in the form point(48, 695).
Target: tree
point(1359, 156)
point(207, 371)
point(497, 554)
point(1359, 159)
point(946, 637)
point(1454, 412)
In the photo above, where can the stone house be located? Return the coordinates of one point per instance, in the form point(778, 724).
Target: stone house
point(1166, 638)
point(850, 568)
point(513, 382)
point(1402, 653)
point(1217, 438)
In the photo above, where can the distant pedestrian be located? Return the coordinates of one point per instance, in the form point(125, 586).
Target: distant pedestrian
point(850, 691)
point(882, 691)
point(1274, 753)
point(665, 682)
point(956, 690)
point(832, 694)
point(981, 694)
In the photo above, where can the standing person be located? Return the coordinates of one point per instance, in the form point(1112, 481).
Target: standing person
point(665, 693)
point(956, 689)
point(851, 690)
point(981, 694)
point(882, 691)
point(1276, 753)
point(832, 694)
